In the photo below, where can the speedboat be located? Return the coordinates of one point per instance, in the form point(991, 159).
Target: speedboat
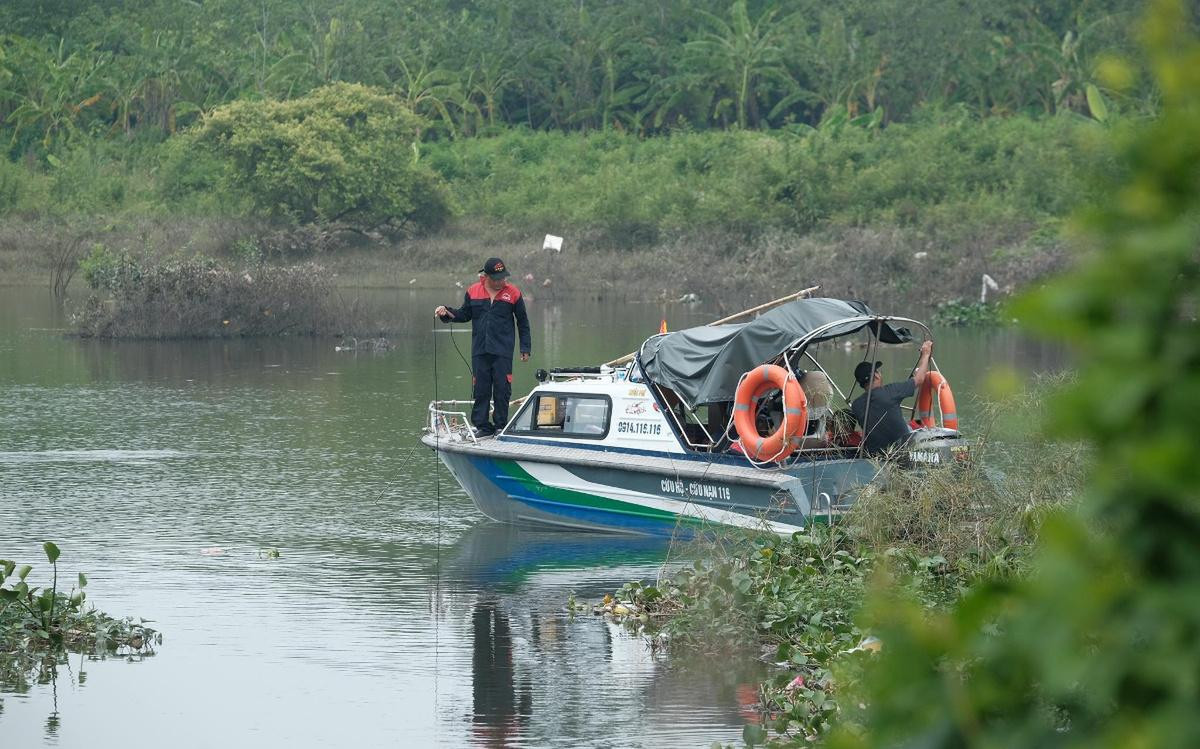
point(732, 425)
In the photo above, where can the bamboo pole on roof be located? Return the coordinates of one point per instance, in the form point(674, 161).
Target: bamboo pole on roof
point(797, 295)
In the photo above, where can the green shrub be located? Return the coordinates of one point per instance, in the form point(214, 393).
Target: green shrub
point(191, 180)
point(23, 191)
point(343, 153)
point(11, 179)
point(105, 270)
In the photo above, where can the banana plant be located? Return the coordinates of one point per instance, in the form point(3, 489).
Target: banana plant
point(326, 46)
point(741, 56)
point(683, 96)
point(53, 89)
point(147, 88)
point(1071, 60)
point(484, 83)
point(846, 68)
point(427, 90)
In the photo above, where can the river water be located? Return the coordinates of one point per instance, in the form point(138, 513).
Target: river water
point(394, 614)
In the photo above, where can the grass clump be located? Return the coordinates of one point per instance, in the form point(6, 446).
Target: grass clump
point(961, 314)
point(981, 518)
point(199, 297)
point(40, 626)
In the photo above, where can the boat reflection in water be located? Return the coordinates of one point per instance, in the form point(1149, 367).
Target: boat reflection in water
point(542, 676)
point(501, 705)
point(499, 556)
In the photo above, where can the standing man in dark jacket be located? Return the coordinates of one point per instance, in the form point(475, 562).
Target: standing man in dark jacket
point(492, 305)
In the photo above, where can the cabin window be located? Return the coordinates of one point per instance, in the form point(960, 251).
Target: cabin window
point(565, 415)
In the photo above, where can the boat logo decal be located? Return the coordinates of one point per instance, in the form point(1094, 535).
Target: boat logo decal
point(635, 408)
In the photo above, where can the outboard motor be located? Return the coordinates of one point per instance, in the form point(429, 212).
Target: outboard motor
point(938, 446)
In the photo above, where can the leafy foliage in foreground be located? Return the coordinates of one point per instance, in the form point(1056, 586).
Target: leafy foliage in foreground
point(38, 626)
point(1100, 645)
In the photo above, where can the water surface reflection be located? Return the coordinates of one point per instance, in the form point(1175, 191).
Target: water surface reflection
point(394, 615)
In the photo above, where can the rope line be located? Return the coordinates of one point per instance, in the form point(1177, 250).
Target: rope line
point(437, 567)
point(460, 353)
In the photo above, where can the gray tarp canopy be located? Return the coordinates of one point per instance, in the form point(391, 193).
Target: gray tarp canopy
point(703, 365)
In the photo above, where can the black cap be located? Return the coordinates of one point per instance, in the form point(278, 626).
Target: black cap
point(864, 371)
point(495, 269)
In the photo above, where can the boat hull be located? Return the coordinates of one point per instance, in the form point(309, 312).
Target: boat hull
point(651, 497)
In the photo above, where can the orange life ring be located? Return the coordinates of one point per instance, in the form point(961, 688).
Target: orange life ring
point(754, 384)
point(935, 382)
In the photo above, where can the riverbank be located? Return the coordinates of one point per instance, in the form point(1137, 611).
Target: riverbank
point(889, 264)
point(912, 211)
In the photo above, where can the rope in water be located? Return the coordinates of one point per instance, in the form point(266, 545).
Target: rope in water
point(437, 583)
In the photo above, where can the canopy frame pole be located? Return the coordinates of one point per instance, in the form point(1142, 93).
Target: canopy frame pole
point(711, 442)
point(798, 295)
point(681, 426)
point(822, 370)
point(807, 338)
point(801, 344)
point(872, 350)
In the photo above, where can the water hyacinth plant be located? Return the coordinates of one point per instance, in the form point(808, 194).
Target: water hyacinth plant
point(789, 601)
point(39, 626)
point(796, 603)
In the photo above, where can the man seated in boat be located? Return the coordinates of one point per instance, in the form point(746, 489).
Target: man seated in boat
point(880, 404)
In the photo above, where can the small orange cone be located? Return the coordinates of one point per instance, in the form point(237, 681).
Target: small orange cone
point(662, 327)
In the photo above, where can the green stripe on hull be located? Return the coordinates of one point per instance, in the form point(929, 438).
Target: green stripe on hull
point(572, 498)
